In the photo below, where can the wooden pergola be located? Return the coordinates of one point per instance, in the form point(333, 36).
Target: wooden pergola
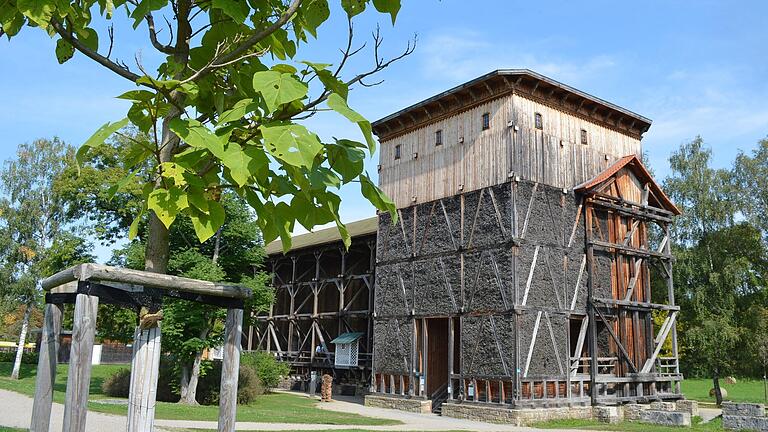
point(85, 286)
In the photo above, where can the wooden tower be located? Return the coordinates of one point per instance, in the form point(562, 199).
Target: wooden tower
point(519, 272)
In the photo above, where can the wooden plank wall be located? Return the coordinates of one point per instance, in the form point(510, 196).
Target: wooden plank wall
point(553, 155)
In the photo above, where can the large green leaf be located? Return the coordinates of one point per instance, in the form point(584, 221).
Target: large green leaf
point(206, 225)
point(238, 10)
point(377, 197)
point(38, 11)
point(238, 111)
point(98, 138)
point(345, 159)
point(144, 7)
point(315, 12)
point(197, 135)
point(392, 7)
point(278, 88)
point(353, 7)
point(64, 51)
point(292, 143)
point(167, 203)
point(338, 104)
point(238, 163)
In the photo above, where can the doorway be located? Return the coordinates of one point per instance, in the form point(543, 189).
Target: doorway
point(437, 355)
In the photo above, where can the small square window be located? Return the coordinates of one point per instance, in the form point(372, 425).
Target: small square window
point(439, 137)
point(584, 137)
point(397, 151)
point(538, 121)
point(486, 121)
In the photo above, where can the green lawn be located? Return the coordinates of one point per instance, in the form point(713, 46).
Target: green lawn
point(743, 391)
point(714, 425)
point(7, 429)
point(271, 408)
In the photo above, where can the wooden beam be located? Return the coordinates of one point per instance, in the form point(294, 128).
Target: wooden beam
point(105, 274)
point(79, 374)
point(46, 369)
point(145, 369)
point(532, 345)
point(233, 331)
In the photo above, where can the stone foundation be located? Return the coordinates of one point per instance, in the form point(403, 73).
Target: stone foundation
point(689, 406)
point(399, 403)
point(665, 418)
point(607, 414)
point(517, 417)
point(744, 416)
point(632, 412)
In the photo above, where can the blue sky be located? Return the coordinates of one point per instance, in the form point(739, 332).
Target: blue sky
point(694, 67)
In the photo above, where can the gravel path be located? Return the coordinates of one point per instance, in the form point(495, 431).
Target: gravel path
point(16, 409)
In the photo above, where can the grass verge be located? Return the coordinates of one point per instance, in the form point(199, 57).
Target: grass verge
point(744, 390)
point(697, 426)
point(270, 408)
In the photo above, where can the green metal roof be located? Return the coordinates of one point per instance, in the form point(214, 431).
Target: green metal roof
point(327, 235)
point(346, 338)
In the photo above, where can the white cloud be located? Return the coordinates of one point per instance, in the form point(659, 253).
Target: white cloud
point(463, 55)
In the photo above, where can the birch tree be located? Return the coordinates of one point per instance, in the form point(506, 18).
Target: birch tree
point(222, 108)
point(33, 214)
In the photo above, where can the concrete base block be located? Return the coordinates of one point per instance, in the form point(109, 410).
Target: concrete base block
point(665, 418)
point(632, 411)
point(743, 409)
point(399, 403)
point(663, 406)
point(517, 417)
point(751, 423)
point(607, 414)
point(689, 406)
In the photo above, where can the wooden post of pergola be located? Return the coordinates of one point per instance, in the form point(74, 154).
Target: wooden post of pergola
point(87, 285)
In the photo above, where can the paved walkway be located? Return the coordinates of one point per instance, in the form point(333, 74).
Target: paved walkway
point(16, 410)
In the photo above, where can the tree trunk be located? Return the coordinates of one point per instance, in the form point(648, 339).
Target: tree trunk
point(716, 383)
point(157, 251)
point(189, 388)
point(184, 382)
point(22, 341)
point(190, 396)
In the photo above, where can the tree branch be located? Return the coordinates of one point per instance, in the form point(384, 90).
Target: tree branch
point(166, 49)
point(251, 41)
point(93, 55)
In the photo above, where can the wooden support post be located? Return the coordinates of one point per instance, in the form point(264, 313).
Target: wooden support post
point(591, 306)
point(145, 368)
point(451, 348)
point(81, 352)
point(46, 369)
point(230, 368)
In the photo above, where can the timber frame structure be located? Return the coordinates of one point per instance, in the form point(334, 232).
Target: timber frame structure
point(530, 255)
point(322, 290)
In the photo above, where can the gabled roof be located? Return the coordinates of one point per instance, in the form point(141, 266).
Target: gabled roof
point(324, 236)
point(501, 82)
point(632, 163)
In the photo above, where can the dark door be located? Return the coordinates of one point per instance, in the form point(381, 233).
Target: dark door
point(437, 354)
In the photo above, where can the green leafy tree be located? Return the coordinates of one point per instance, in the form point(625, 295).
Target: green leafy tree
point(34, 222)
point(751, 177)
point(232, 254)
point(720, 268)
point(221, 109)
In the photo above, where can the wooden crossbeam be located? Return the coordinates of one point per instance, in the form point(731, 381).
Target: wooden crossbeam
point(533, 343)
point(530, 275)
point(578, 281)
point(616, 339)
point(662, 336)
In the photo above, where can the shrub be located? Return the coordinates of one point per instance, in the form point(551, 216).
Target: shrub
point(248, 387)
point(10, 357)
point(268, 369)
point(117, 384)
